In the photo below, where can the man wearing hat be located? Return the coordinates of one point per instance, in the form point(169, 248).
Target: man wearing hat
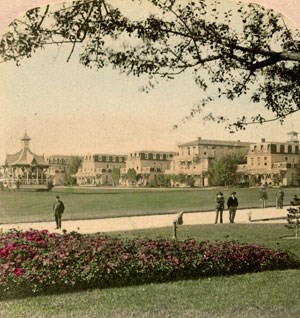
point(219, 207)
point(232, 204)
point(58, 209)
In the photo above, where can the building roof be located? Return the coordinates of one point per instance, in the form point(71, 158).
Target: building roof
point(107, 155)
point(65, 156)
point(155, 151)
point(209, 142)
point(25, 157)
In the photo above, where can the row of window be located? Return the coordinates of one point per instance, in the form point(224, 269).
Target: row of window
point(56, 160)
point(100, 158)
point(151, 156)
point(192, 151)
point(101, 169)
point(275, 148)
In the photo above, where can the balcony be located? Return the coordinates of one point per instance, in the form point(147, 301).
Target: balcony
point(283, 165)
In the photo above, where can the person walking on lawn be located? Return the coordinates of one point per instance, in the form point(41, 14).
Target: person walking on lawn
point(232, 204)
point(219, 207)
point(58, 209)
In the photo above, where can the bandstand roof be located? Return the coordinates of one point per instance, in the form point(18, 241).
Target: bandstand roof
point(25, 157)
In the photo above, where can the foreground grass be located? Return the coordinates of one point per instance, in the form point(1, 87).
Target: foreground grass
point(266, 294)
point(103, 203)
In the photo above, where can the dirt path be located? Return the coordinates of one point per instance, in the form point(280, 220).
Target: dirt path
point(151, 221)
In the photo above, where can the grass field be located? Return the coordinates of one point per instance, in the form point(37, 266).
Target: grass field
point(268, 294)
point(94, 203)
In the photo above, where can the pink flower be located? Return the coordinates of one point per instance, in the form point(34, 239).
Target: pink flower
point(44, 232)
point(43, 243)
point(19, 271)
point(4, 252)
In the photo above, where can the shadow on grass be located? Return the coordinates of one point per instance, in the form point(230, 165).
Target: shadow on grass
point(25, 292)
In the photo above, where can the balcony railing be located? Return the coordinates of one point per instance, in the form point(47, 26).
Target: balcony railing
point(11, 181)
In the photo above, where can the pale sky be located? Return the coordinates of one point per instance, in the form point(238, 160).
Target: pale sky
point(69, 109)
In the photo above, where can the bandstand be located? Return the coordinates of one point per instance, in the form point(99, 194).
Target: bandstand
point(25, 169)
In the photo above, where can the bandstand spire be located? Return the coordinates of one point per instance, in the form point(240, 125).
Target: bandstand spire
point(26, 139)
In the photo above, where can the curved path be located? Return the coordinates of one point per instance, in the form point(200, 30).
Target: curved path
point(153, 221)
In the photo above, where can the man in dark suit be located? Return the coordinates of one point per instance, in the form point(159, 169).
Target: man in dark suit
point(232, 204)
point(58, 209)
point(219, 207)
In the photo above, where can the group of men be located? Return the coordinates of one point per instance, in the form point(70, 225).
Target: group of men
point(263, 197)
point(232, 204)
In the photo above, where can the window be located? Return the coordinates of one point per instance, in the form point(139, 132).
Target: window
point(154, 156)
point(114, 158)
point(146, 156)
point(107, 158)
point(258, 161)
point(252, 161)
point(161, 157)
point(189, 150)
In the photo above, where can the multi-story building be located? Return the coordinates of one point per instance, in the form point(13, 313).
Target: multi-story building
point(194, 158)
point(148, 165)
point(60, 166)
point(97, 169)
point(272, 163)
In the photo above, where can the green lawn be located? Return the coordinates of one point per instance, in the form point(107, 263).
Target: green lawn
point(265, 295)
point(102, 203)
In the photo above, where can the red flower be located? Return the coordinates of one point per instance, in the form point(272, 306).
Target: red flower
point(4, 252)
point(19, 271)
point(44, 232)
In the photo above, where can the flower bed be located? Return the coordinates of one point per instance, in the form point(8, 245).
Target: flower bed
point(39, 261)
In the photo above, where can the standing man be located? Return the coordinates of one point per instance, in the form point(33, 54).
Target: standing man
point(58, 209)
point(279, 199)
point(263, 197)
point(232, 204)
point(219, 207)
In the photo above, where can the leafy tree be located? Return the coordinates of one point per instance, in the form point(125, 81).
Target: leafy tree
point(278, 178)
point(75, 164)
point(293, 218)
point(71, 170)
point(223, 171)
point(297, 174)
point(161, 181)
point(131, 175)
point(190, 181)
point(116, 174)
point(229, 51)
point(70, 180)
